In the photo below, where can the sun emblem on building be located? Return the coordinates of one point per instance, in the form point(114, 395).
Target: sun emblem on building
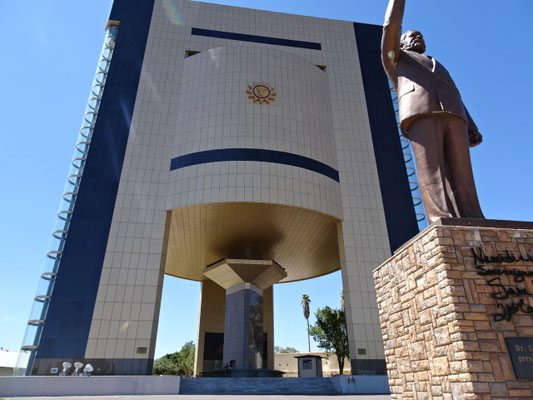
point(261, 93)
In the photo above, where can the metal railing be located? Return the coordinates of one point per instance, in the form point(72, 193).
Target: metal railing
point(30, 344)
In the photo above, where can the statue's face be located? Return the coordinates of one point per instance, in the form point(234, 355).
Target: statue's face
point(413, 41)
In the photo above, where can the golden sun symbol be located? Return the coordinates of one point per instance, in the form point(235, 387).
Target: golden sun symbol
point(261, 93)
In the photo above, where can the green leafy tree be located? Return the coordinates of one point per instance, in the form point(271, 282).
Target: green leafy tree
point(282, 350)
point(165, 366)
point(178, 363)
point(330, 333)
point(305, 307)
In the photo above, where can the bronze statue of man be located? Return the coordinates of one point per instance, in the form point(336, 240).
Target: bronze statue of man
point(434, 118)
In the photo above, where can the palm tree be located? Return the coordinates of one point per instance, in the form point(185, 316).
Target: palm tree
point(305, 305)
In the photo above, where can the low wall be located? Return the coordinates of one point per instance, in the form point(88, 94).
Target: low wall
point(88, 386)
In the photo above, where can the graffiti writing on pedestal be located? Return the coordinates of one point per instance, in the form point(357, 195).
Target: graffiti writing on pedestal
point(508, 284)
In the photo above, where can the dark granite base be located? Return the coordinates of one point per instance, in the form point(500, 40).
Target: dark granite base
point(242, 373)
point(102, 366)
point(486, 223)
point(369, 367)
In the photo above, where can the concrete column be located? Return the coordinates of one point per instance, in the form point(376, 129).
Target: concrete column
point(211, 319)
point(244, 281)
point(243, 326)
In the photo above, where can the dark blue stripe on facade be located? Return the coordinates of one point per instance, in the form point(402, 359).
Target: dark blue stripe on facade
point(397, 201)
point(66, 329)
point(271, 156)
point(256, 39)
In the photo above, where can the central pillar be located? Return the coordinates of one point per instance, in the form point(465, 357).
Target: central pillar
point(243, 327)
point(244, 282)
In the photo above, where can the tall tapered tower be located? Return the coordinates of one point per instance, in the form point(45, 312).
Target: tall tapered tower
point(235, 147)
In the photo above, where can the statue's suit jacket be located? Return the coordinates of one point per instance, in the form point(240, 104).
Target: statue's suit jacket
point(424, 90)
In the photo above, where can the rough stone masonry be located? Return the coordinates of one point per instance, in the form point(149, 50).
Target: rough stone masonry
point(451, 301)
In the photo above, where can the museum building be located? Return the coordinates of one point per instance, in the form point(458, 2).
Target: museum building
point(235, 147)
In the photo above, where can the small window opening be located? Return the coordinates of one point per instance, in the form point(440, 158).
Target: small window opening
point(322, 67)
point(189, 53)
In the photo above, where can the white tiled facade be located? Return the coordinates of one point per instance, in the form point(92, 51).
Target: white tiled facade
point(197, 103)
point(215, 113)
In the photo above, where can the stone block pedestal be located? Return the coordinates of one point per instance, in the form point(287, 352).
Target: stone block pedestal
point(456, 312)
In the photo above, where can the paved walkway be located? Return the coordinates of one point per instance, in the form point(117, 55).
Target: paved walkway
point(209, 397)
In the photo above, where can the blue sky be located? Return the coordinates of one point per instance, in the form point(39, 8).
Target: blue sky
point(50, 50)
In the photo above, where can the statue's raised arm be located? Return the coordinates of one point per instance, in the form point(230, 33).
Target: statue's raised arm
point(390, 41)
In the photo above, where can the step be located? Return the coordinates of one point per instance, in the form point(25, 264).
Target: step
point(305, 386)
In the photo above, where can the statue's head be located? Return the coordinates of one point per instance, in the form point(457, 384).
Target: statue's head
point(413, 41)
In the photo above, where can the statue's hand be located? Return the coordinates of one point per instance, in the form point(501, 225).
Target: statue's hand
point(474, 138)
